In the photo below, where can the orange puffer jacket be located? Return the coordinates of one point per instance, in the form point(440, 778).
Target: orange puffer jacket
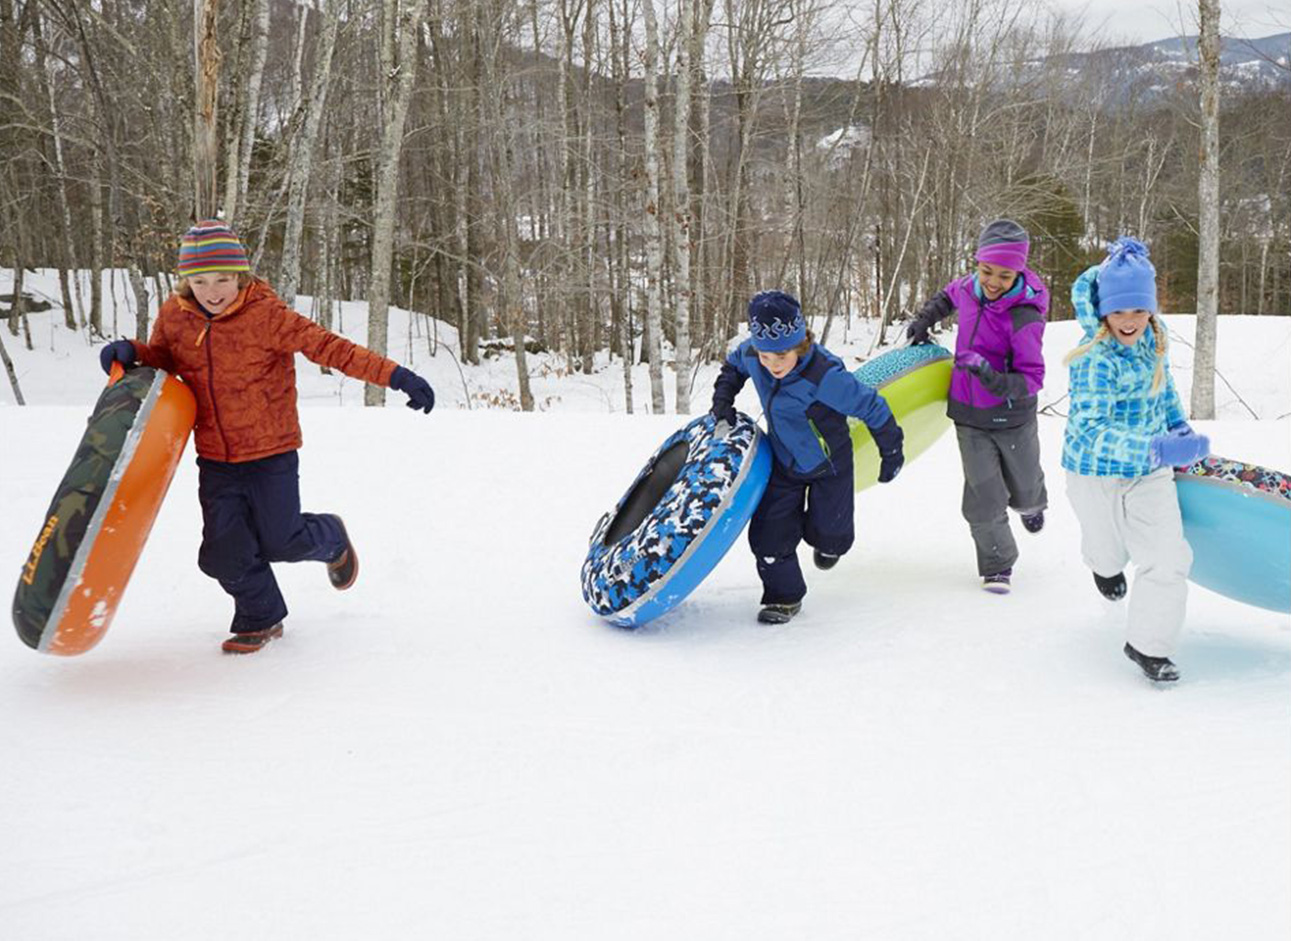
point(241, 367)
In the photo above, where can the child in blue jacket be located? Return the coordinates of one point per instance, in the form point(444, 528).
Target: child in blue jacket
point(807, 394)
point(1126, 433)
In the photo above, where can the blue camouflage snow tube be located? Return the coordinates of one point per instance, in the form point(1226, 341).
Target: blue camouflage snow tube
point(683, 512)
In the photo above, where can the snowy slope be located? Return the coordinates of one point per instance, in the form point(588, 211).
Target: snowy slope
point(457, 748)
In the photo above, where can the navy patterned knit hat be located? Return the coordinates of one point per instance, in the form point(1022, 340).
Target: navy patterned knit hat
point(775, 322)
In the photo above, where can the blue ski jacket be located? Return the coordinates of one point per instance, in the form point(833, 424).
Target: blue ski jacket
point(1114, 413)
point(807, 410)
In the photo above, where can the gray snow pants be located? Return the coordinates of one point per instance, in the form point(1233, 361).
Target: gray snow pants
point(1137, 519)
point(1001, 470)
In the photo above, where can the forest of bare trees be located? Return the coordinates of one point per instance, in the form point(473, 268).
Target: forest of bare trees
point(602, 176)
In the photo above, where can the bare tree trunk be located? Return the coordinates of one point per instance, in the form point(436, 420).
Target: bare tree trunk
point(471, 207)
point(11, 373)
point(398, 68)
point(206, 74)
point(240, 173)
point(512, 301)
point(653, 242)
point(96, 247)
point(681, 196)
point(1203, 369)
point(45, 68)
point(620, 53)
point(590, 306)
point(302, 152)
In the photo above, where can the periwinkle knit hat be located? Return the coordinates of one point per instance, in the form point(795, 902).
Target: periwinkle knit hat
point(776, 322)
point(1127, 279)
point(1005, 243)
point(211, 246)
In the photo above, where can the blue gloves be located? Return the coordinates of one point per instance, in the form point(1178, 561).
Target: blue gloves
point(118, 351)
point(891, 457)
point(420, 394)
point(1178, 447)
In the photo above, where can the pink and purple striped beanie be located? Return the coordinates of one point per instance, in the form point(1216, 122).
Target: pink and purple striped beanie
point(211, 246)
point(1005, 243)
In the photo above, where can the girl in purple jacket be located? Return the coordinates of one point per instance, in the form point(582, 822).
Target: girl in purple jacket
point(999, 368)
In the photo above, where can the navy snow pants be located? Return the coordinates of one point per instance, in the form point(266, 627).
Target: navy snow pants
point(251, 517)
point(820, 511)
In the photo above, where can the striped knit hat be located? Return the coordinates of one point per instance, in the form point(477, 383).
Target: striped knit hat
point(211, 246)
point(1005, 243)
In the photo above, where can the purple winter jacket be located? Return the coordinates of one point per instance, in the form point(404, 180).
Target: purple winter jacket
point(1009, 333)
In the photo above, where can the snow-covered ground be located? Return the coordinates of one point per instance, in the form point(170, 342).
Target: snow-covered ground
point(458, 748)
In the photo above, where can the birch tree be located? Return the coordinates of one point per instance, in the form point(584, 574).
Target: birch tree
point(512, 296)
point(1203, 369)
point(401, 24)
point(302, 151)
point(653, 241)
point(681, 200)
point(206, 78)
point(238, 158)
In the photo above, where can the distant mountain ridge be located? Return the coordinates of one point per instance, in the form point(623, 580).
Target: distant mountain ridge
point(1154, 68)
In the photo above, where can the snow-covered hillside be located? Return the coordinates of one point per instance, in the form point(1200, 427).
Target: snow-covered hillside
point(458, 748)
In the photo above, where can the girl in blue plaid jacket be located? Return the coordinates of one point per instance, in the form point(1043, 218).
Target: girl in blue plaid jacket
point(1126, 433)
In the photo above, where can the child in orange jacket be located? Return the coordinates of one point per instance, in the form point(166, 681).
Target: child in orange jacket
point(233, 342)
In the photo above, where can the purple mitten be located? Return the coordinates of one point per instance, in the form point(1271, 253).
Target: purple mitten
point(1171, 450)
point(972, 361)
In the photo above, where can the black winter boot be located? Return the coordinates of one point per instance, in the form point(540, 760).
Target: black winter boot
point(1113, 589)
point(778, 613)
point(998, 584)
point(823, 560)
point(1033, 522)
point(1157, 669)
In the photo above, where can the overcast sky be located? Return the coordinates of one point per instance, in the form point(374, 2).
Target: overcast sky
point(1139, 21)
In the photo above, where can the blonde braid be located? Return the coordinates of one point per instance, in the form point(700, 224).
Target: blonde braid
point(1158, 333)
point(1101, 334)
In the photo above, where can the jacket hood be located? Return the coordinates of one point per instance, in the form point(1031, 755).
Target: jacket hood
point(1084, 299)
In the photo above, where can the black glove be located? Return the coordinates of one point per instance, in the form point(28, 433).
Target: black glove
point(917, 333)
point(723, 410)
point(118, 351)
point(420, 394)
point(889, 438)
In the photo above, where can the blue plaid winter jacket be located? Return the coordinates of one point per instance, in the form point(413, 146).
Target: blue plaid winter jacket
point(1114, 413)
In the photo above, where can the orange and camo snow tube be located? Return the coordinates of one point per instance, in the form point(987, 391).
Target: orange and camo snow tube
point(103, 510)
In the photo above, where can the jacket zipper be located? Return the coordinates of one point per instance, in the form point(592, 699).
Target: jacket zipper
point(770, 399)
point(824, 445)
point(981, 307)
point(210, 384)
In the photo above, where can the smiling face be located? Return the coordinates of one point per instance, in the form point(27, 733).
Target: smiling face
point(1128, 325)
point(994, 279)
point(778, 365)
point(214, 290)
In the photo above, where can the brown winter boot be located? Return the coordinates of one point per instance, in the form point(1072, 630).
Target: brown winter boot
point(343, 571)
point(251, 641)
